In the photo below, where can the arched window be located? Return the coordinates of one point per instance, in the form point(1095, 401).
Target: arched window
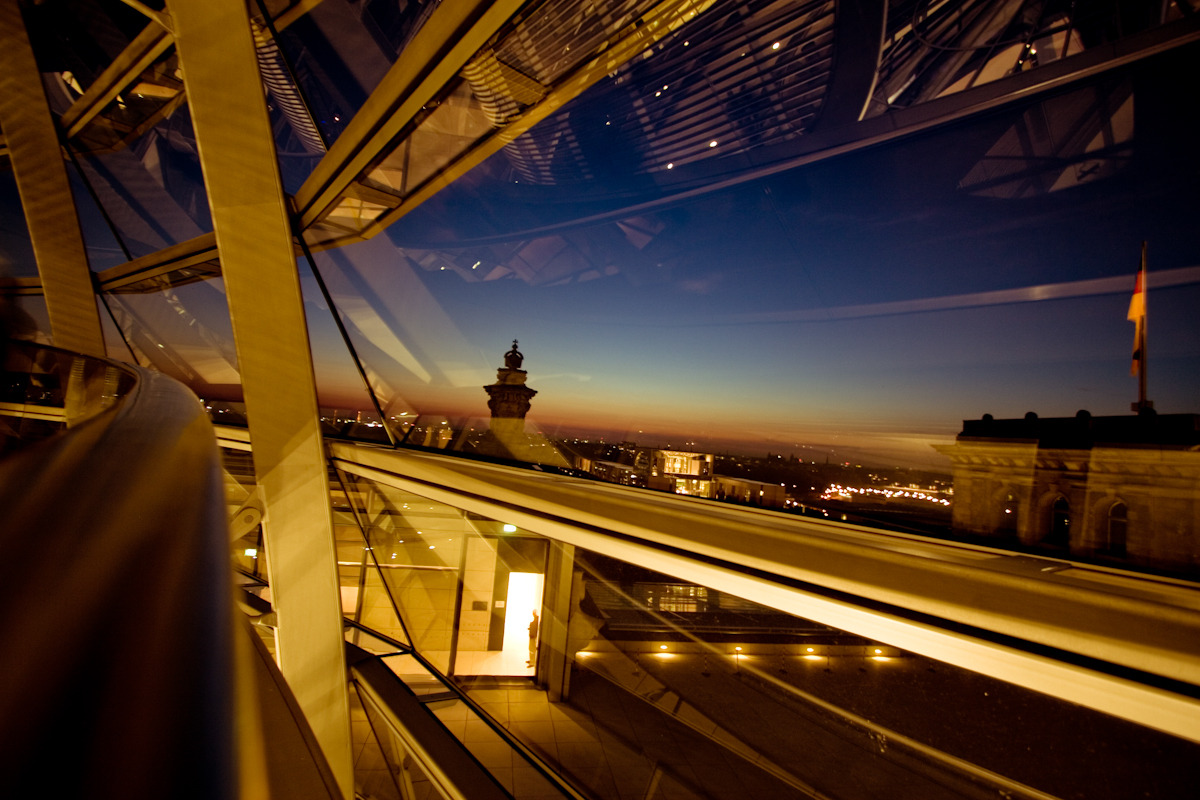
point(1058, 534)
point(1117, 524)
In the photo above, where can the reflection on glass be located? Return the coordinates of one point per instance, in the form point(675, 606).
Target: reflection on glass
point(45, 391)
point(185, 332)
point(785, 701)
point(932, 50)
point(651, 686)
point(464, 590)
point(382, 767)
point(153, 194)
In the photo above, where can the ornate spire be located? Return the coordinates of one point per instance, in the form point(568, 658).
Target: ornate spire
point(513, 358)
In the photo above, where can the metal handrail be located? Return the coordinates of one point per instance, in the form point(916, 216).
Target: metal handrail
point(124, 672)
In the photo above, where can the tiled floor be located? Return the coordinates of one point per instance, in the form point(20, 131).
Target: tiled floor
point(492, 662)
point(527, 713)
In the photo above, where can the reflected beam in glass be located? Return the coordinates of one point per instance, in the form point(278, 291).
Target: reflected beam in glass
point(147, 46)
point(859, 27)
point(194, 259)
point(336, 313)
point(511, 762)
point(46, 193)
point(608, 55)
point(451, 36)
point(451, 770)
point(375, 605)
point(380, 759)
point(139, 90)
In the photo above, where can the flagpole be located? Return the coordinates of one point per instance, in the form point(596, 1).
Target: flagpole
point(1142, 371)
point(1142, 403)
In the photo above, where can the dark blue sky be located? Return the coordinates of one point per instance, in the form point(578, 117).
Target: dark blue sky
point(790, 307)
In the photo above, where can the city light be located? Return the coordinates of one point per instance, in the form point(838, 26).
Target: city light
point(835, 490)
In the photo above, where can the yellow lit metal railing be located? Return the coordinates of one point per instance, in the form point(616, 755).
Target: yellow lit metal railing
point(419, 748)
point(1122, 644)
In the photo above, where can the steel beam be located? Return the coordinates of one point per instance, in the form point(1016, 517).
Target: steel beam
point(45, 192)
point(147, 46)
point(189, 254)
point(254, 240)
point(446, 42)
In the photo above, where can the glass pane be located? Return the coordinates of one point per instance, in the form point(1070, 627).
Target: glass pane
point(667, 687)
point(818, 334)
point(154, 192)
point(80, 43)
point(185, 332)
point(16, 248)
point(769, 700)
point(149, 98)
point(381, 764)
point(931, 51)
point(340, 50)
point(416, 549)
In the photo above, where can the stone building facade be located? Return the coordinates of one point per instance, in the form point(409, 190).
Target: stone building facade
point(1123, 488)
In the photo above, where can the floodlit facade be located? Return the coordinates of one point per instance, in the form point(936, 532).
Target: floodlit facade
point(1116, 487)
point(264, 535)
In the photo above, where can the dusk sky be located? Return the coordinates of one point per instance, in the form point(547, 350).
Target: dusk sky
point(873, 299)
point(796, 309)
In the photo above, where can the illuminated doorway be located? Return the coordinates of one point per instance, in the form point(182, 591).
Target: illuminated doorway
point(524, 598)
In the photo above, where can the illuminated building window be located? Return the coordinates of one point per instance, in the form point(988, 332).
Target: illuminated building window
point(681, 598)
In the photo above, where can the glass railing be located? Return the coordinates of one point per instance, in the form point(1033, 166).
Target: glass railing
point(408, 725)
point(631, 681)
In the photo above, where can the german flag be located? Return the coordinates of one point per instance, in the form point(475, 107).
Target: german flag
point(1137, 315)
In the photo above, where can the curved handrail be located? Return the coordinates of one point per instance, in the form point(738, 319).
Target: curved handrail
point(122, 673)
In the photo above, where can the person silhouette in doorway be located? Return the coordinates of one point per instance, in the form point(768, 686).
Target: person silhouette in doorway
point(533, 634)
